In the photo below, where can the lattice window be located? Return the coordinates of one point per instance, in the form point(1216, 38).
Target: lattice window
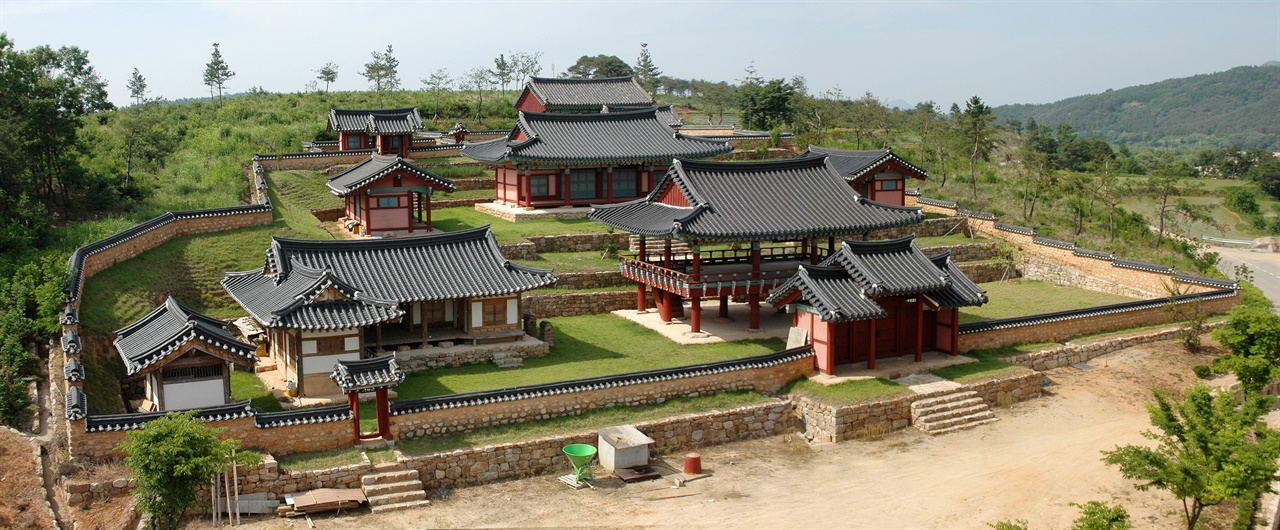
point(192, 372)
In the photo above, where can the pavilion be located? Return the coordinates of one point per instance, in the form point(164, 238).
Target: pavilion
point(387, 193)
point(386, 131)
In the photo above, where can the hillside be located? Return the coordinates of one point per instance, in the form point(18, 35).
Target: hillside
point(1238, 106)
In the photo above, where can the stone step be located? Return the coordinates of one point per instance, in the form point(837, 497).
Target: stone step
point(962, 427)
point(951, 413)
point(389, 477)
point(394, 498)
point(400, 506)
point(373, 490)
point(944, 407)
point(931, 426)
point(944, 398)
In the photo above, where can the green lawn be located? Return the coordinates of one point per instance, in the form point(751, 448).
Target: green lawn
point(458, 171)
point(987, 368)
point(589, 261)
point(589, 420)
point(305, 189)
point(1016, 298)
point(848, 391)
point(451, 219)
point(247, 385)
point(953, 239)
point(319, 459)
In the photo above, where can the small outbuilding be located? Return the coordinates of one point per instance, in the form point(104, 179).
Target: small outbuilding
point(388, 131)
point(387, 193)
point(879, 175)
point(564, 95)
point(183, 357)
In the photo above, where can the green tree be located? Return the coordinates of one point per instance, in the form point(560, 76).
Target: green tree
point(1252, 335)
point(717, 97)
point(526, 65)
point(479, 79)
point(1209, 449)
point(173, 456)
point(137, 86)
point(217, 73)
point(767, 106)
point(327, 73)
point(382, 73)
point(867, 116)
point(1095, 515)
point(598, 66)
point(1171, 208)
point(647, 73)
point(503, 71)
point(438, 80)
point(975, 124)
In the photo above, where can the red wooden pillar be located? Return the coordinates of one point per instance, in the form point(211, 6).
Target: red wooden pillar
point(753, 291)
point(871, 344)
point(641, 257)
point(384, 414)
point(353, 400)
point(564, 189)
point(409, 211)
point(608, 177)
point(813, 251)
point(831, 246)
point(724, 306)
point(663, 300)
point(695, 298)
point(919, 328)
point(427, 199)
point(955, 330)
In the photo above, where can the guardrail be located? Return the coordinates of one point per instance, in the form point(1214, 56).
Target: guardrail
point(1221, 241)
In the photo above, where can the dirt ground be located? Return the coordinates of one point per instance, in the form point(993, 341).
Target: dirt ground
point(1042, 455)
point(22, 502)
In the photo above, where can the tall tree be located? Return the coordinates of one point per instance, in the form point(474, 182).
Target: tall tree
point(503, 71)
point(137, 86)
point(1037, 177)
point(327, 73)
point(598, 66)
point(867, 116)
point(1252, 335)
point(922, 119)
point(438, 80)
point(717, 96)
point(1168, 192)
point(526, 65)
point(382, 74)
point(1209, 449)
point(479, 79)
point(975, 123)
point(1112, 191)
point(646, 72)
point(767, 106)
point(217, 73)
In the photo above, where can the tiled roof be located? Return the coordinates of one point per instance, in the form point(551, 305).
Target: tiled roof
point(167, 328)
point(633, 137)
point(378, 166)
point(1138, 265)
point(889, 268)
point(383, 121)
point(1059, 316)
point(853, 164)
point(1064, 245)
point(308, 415)
point(1015, 229)
point(128, 422)
point(1096, 254)
point(936, 202)
point(666, 114)
point(834, 295)
point(985, 216)
point(411, 406)
point(1207, 282)
point(841, 288)
point(77, 405)
point(73, 369)
point(70, 315)
point(457, 128)
point(757, 200)
point(71, 342)
point(367, 374)
point(559, 94)
point(373, 275)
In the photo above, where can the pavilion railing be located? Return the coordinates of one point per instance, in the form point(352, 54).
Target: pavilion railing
point(728, 256)
point(706, 284)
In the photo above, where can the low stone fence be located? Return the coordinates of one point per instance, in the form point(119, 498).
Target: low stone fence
point(929, 228)
point(591, 280)
point(85, 493)
point(470, 184)
point(977, 251)
point(1069, 354)
point(329, 214)
point(1062, 325)
point(317, 160)
point(509, 214)
point(989, 271)
point(829, 422)
point(458, 203)
point(477, 465)
point(525, 250)
point(578, 242)
point(503, 354)
point(586, 303)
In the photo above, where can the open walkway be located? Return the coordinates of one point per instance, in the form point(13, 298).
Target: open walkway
point(715, 329)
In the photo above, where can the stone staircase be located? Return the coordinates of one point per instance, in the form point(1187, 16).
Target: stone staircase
point(950, 411)
point(393, 488)
point(508, 359)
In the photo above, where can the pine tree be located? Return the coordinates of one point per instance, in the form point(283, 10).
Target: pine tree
point(382, 74)
point(646, 72)
point(217, 73)
point(137, 87)
point(328, 73)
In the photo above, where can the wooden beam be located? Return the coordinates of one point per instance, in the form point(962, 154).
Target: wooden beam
point(919, 327)
point(871, 344)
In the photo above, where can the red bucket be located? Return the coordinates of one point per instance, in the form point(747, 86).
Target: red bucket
point(693, 463)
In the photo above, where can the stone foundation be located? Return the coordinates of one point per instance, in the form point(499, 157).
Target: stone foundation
point(591, 280)
point(588, 303)
point(422, 359)
point(516, 214)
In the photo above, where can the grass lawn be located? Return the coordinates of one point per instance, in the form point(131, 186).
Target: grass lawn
point(1018, 298)
point(590, 420)
point(247, 385)
point(319, 459)
point(589, 261)
point(451, 219)
point(304, 189)
point(848, 391)
point(454, 172)
point(953, 239)
point(379, 456)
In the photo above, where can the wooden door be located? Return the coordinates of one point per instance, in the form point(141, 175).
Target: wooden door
point(908, 332)
point(887, 333)
point(841, 343)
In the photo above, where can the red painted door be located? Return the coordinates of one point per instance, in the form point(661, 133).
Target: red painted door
point(887, 333)
point(908, 317)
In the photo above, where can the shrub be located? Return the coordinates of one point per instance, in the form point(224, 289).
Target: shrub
point(1095, 515)
point(1203, 371)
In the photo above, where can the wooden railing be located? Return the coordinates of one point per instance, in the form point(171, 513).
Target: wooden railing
point(707, 284)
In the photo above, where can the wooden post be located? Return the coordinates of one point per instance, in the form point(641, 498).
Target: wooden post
point(753, 291)
point(384, 413)
point(641, 305)
point(955, 330)
point(565, 188)
point(871, 344)
point(813, 251)
point(695, 314)
point(666, 253)
point(919, 327)
point(353, 400)
point(663, 300)
point(724, 306)
point(378, 340)
point(831, 246)
point(422, 311)
point(609, 185)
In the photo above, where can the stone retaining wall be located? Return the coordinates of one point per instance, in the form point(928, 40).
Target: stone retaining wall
point(100, 445)
point(1045, 270)
point(319, 162)
point(977, 251)
point(591, 280)
point(85, 493)
point(434, 422)
point(929, 228)
point(587, 303)
point(458, 203)
point(422, 359)
point(1005, 391)
point(179, 227)
point(578, 242)
point(525, 250)
point(329, 214)
point(474, 183)
point(1060, 330)
point(1068, 354)
point(989, 271)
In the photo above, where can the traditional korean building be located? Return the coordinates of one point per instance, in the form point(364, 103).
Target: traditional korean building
point(765, 218)
point(327, 301)
point(559, 95)
point(878, 299)
point(387, 131)
point(387, 193)
point(879, 175)
point(184, 358)
point(377, 375)
point(552, 160)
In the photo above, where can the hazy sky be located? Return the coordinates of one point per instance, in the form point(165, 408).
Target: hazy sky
point(1005, 52)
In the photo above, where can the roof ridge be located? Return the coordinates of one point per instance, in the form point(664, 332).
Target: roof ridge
point(789, 163)
point(882, 246)
point(592, 116)
point(570, 80)
point(388, 242)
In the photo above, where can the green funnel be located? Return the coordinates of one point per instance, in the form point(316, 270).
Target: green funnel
point(580, 455)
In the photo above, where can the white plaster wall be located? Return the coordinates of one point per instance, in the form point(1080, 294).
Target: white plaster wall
point(194, 394)
point(323, 364)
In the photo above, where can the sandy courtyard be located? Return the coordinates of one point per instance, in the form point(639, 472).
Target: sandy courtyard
point(1042, 455)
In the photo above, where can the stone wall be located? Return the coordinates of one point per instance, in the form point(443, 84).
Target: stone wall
point(989, 271)
point(478, 465)
point(458, 203)
point(1058, 330)
point(929, 228)
point(84, 493)
point(1058, 273)
point(153, 238)
point(329, 214)
point(591, 280)
point(1005, 391)
point(525, 250)
point(323, 160)
point(422, 359)
point(447, 420)
point(98, 445)
point(1068, 354)
point(470, 184)
point(587, 303)
point(578, 242)
point(978, 251)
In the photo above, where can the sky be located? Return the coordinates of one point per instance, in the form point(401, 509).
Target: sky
point(945, 51)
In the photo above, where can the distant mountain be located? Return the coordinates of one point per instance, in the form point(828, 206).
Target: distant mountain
point(1240, 106)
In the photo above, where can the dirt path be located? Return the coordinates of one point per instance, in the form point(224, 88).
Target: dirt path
point(1042, 455)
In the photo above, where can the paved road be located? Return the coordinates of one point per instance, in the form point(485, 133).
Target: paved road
point(1265, 267)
